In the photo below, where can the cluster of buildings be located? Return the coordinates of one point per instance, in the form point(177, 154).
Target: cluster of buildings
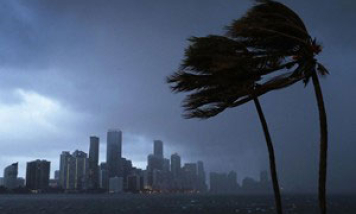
point(37, 176)
point(81, 172)
point(78, 171)
point(226, 183)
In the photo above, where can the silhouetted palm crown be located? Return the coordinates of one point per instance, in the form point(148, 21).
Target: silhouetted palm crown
point(227, 71)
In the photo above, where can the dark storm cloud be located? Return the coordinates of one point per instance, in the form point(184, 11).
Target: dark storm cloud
point(107, 62)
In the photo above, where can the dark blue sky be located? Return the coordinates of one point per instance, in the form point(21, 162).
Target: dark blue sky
point(70, 69)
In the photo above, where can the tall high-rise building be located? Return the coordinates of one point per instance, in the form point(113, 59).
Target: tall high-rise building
point(113, 153)
point(63, 168)
point(81, 168)
point(190, 175)
point(126, 167)
point(154, 163)
point(10, 176)
point(201, 183)
point(116, 185)
point(93, 163)
point(73, 173)
point(20, 182)
point(166, 165)
point(158, 148)
point(175, 165)
point(134, 183)
point(104, 176)
point(37, 174)
point(56, 175)
point(224, 183)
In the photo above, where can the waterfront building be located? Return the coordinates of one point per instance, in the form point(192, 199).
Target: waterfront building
point(116, 185)
point(10, 176)
point(63, 169)
point(80, 164)
point(190, 176)
point(166, 165)
point(37, 174)
point(134, 183)
point(56, 175)
point(175, 165)
point(201, 182)
point(20, 182)
point(158, 148)
point(73, 173)
point(93, 174)
point(113, 152)
point(104, 177)
point(126, 169)
point(155, 164)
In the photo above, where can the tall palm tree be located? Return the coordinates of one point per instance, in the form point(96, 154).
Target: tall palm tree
point(221, 73)
point(275, 32)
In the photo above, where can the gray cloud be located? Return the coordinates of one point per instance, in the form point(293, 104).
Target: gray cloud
point(107, 62)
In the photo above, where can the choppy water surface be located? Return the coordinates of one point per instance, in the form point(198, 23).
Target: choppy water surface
point(167, 204)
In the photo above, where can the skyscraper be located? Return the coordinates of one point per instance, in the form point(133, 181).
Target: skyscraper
point(158, 148)
point(37, 174)
point(190, 176)
point(201, 177)
point(175, 165)
point(93, 163)
point(10, 176)
point(155, 163)
point(74, 168)
point(63, 168)
point(104, 176)
point(56, 175)
point(81, 167)
point(113, 152)
point(166, 165)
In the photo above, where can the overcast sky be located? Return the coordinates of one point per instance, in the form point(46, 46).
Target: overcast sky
point(74, 68)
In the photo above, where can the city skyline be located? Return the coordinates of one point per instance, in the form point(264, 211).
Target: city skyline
point(160, 149)
point(55, 164)
point(81, 171)
point(72, 69)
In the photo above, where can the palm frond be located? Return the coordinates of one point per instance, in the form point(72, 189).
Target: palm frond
point(221, 72)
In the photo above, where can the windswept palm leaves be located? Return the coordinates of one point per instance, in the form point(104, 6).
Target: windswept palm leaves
point(267, 49)
point(221, 73)
point(277, 34)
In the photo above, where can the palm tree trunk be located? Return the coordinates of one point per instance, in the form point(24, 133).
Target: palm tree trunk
point(272, 162)
point(323, 153)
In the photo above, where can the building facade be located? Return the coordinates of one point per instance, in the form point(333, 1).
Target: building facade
point(37, 174)
point(10, 176)
point(158, 148)
point(93, 176)
point(113, 153)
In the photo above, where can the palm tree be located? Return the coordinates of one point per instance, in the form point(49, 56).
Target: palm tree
point(273, 31)
point(221, 73)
